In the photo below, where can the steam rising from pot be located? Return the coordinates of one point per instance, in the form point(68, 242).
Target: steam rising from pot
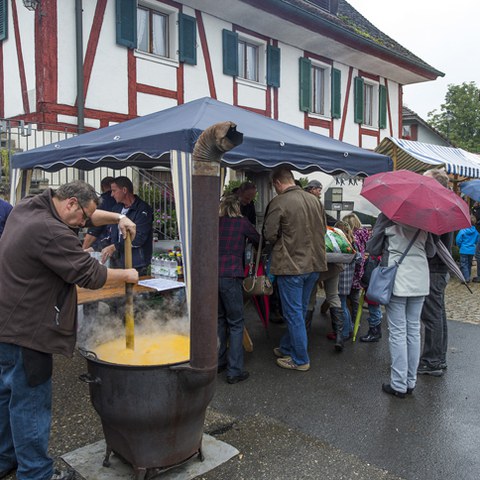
point(154, 315)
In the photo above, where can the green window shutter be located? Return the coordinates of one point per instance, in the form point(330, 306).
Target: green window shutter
point(187, 31)
point(3, 20)
point(382, 106)
point(358, 99)
point(336, 93)
point(305, 82)
point(230, 52)
point(273, 66)
point(126, 12)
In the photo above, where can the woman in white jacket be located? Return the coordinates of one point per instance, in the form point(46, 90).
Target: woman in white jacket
point(390, 240)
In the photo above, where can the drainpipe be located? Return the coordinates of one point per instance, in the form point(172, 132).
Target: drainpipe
point(79, 49)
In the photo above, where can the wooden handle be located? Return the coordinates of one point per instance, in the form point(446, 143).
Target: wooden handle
point(129, 319)
point(128, 250)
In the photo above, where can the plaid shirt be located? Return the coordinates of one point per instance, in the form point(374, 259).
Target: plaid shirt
point(232, 235)
point(361, 236)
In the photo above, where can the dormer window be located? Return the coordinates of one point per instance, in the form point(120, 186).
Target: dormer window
point(331, 6)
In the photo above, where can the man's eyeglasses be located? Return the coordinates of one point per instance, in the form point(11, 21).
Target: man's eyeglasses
point(86, 218)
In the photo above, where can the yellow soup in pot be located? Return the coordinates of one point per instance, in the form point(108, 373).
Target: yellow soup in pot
point(149, 350)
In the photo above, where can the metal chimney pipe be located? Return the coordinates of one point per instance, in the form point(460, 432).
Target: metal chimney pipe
point(208, 151)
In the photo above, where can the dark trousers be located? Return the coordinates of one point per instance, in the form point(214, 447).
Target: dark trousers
point(434, 319)
point(230, 325)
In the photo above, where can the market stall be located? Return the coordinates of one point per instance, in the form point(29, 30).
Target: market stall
point(170, 138)
point(418, 157)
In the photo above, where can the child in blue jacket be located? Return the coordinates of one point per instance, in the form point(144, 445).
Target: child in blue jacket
point(467, 240)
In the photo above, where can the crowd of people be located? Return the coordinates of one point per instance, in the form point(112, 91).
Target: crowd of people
point(294, 230)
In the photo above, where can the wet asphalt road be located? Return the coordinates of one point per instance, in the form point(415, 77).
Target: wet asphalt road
point(432, 435)
point(332, 422)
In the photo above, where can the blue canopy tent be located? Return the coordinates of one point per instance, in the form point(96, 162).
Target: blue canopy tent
point(167, 138)
point(146, 142)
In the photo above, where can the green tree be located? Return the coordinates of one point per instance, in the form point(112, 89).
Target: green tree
point(459, 116)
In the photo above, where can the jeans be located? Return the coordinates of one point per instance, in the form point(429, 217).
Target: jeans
point(230, 325)
point(434, 319)
point(466, 265)
point(374, 315)
point(347, 322)
point(295, 293)
point(25, 418)
point(403, 315)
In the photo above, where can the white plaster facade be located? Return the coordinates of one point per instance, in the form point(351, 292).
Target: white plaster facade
point(38, 74)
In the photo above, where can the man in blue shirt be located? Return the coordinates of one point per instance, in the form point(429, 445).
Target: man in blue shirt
point(130, 205)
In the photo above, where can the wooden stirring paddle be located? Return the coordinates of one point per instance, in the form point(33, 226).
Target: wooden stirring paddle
point(129, 319)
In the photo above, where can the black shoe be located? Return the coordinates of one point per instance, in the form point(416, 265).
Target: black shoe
point(476, 279)
point(339, 344)
point(374, 334)
point(424, 369)
point(221, 368)
point(239, 378)
point(410, 390)
point(442, 365)
point(387, 388)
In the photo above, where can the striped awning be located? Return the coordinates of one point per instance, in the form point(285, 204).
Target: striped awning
point(418, 157)
point(181, 165)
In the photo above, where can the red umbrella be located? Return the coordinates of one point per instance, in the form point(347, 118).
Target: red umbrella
point(416, 200)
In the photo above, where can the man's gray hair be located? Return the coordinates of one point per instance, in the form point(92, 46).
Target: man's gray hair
point(79, 189)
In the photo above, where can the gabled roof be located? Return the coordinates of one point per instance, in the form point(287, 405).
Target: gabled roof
point(348, 27)
point(409, 116)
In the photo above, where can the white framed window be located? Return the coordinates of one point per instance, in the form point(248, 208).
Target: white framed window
point(248, 60)
point(157, 31)
point(370, 104)
point(321, 83)
point(152, 31)
point(252, 62)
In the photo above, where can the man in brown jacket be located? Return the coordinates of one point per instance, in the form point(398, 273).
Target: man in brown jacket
point(295, 226)
point(41, 261)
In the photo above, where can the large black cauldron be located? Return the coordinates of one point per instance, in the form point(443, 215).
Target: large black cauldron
point(152, 416)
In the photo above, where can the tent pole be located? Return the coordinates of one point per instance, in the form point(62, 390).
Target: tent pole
point(455, 183)
point(394, 157)
point(23, 187)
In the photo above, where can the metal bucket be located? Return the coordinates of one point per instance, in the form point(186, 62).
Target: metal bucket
point(152, 416)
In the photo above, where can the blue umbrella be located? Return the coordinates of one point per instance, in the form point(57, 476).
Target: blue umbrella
point(471, 189)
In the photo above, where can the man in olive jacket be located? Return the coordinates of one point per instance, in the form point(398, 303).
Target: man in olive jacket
point(295, 226)
point(41, 261)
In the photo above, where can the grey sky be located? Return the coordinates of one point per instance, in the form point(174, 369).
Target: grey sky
point(443, 33)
